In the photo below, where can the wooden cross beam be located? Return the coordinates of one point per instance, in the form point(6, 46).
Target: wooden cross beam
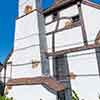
point(50, 82)
point(91, 4)
point(75, 49)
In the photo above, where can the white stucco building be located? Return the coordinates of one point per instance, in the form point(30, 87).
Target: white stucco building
point(75, 29)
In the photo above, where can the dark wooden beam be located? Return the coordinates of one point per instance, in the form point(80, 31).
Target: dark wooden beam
point(54, 8)
point(75, 24)
point(76, 49)
point(48, 81)
point(59, 6)
point(63, 5)
point(91, 4)
point(58, 19)
point(84, 34)
point(1, 66)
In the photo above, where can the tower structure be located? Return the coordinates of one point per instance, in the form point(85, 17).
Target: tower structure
point(29, 64)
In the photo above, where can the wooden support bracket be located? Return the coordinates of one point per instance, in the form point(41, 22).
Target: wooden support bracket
point(48, 81)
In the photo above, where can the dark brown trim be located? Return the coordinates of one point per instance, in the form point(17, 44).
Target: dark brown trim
point(91, 4)
point(76, 24)
point(1, 67)
point(23, 15)
point(29, 13)
point(76, 49)
point(98, 58)
point(64, 4)
point(82, 24)
point(50, 82)
point(61, 18)
point(97, 40)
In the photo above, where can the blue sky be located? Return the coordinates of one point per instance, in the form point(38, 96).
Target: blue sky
point(8, 13)
point(47, 3)
point(96, 1)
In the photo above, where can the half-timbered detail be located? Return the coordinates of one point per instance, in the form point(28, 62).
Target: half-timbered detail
point(56, 51)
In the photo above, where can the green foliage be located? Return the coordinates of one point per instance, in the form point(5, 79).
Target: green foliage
point(5, 98)
point(99, 97)
point(75, 96)
point(1, 87)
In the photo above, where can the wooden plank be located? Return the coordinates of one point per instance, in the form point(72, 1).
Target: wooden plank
point(65, 4)
point(84, 34)
point(76, 49)
point(58, 19)
point(75, 24)
point(91, 4)
point(48, 81)
point(60, 6)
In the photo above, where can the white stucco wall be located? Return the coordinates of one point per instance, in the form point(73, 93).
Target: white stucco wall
point(25, 27)
point(87, 87)
point(92, 24)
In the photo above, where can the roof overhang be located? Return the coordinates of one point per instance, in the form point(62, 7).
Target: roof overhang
point(63, 5)
point(91, 4)
point(60, 6)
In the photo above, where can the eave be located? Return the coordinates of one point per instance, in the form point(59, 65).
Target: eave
point(64, 4)
point(91, 4)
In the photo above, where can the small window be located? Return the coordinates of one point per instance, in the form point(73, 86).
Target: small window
point(75, 18)
point(55, 15)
